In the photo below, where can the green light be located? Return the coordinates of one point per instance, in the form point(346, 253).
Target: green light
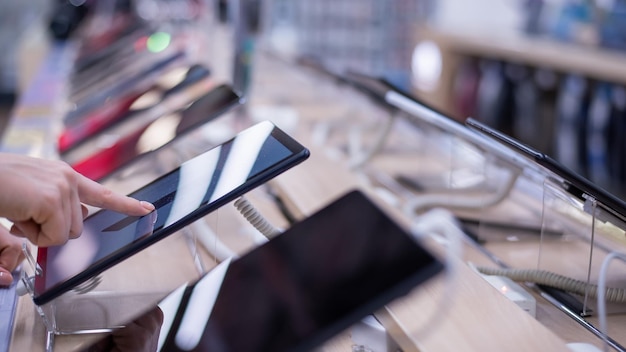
point(158, 41)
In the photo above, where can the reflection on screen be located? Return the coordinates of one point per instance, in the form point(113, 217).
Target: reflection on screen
point(103, 161)
point(71, 258)
point(201, 182)
point(302, 287)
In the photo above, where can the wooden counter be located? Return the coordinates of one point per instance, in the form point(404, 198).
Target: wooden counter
point(321, 115)
point(477, 318)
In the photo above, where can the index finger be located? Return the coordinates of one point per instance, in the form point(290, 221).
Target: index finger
point(92, 193)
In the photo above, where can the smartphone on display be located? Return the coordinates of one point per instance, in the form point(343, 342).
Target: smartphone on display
point(124, 108)
point(196, 188)
point(91, 94)
point(575, 184)
point(293, 293)
point(150, 136)
point(120, 42)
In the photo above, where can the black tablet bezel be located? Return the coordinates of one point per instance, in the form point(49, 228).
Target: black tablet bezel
point(576, 184)
point(298, 155)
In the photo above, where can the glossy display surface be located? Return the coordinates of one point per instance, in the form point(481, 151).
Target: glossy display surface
point(123, 108)
point(196, 188)
point(301, 288)
point(155, 134)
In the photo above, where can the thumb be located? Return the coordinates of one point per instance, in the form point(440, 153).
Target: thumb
point(5, 277)
point(10, 258)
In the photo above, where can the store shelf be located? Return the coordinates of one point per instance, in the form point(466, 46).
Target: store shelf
point(593, 62)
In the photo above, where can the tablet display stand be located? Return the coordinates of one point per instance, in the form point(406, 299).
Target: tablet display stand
point(553, 239)
point(470, 180)
point(119, 294)
point(586, 231)
point(461, 164)
point(589, 237)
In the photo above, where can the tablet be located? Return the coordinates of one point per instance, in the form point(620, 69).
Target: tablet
point(293, 293)
point(194, 189)
point(96, 93)
point(574, 183)
point(148, 136)
point(122, 108)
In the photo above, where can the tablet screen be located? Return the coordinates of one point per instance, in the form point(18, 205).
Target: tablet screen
point(301, 288)
point(102, 162)
point(197, 187)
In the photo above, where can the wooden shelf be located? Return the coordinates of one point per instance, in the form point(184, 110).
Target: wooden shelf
point(593, 62)
point(539, 52)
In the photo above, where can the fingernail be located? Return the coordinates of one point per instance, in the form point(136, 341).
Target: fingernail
point(5, 278)
point(147, 206)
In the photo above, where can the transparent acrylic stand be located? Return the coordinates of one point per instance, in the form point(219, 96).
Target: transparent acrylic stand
point(590, 233)
point(472, 181)
point(113, 298)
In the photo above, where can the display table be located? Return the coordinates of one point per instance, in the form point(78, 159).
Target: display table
point(477, 317)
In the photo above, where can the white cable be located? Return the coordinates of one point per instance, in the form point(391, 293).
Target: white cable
point(255, 218)
point(217, 248)
point(460, 201)
point(442, 226)
point(547, 278)
point(602, 294)
point(192, 243)
point(211, 241)
point(359, 161)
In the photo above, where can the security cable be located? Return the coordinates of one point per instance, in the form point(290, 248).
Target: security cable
point(359, 161)
point(547, 278)
point(255, 218)
point(604, 294)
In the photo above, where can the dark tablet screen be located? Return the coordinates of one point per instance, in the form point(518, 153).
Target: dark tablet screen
point(301, 288)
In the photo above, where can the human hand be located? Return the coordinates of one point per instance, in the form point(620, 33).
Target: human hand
point(43, 198)
point(11, 256)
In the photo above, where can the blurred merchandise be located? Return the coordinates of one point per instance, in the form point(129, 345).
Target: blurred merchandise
point(120, 54)
point(576, 23)
point(66, 16)
point(598, 123)
point(616, 143)
point(173, 11)
point(494, 101)
point(368, 36)
point(526, 119)
point(533, 10)
point(579, 121)
point(571, 117)
point(547, 83)
point(535, 98)
point(133, 104)
point(595, 23)
point(15, 19)
point(613, 26)
point(465, 86)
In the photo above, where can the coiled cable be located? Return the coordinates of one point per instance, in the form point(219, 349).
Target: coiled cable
point(547, 278)
point(417, 204)
point(255, 218)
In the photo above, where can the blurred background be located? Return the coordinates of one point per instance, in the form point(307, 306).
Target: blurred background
point(547, 72)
